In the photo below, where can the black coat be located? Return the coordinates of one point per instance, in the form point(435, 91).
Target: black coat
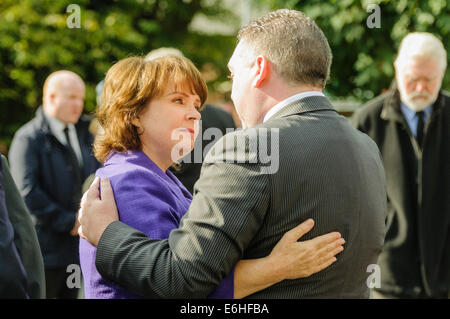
point(13, 280)
point(416, 256)
point(42, 170)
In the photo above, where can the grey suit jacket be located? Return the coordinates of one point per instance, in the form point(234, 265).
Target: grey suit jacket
point(244, 202)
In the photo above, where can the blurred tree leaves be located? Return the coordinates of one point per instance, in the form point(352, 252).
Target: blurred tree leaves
point(363, 57)
point(35, 41)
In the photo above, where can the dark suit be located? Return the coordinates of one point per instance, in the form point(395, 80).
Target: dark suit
point(49, 183)
point(13, 277)
point(415, 261)
point(25, 238)
point(212, 118)
point(327, 171)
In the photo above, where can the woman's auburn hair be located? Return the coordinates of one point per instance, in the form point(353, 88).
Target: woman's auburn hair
point(130, 85)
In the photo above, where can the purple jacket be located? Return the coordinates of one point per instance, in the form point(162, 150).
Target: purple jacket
point(149, 200)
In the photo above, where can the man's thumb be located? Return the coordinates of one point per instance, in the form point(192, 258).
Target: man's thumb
point(106, 191)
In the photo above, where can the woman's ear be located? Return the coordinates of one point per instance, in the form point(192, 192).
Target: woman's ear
point(136, 122)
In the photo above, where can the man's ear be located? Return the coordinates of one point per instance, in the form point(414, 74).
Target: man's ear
point(262, 70)
point(51, 97)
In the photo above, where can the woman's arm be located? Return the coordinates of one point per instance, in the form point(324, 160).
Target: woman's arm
point(289, 259)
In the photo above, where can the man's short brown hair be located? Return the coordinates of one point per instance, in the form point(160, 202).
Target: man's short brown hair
point(293, 43)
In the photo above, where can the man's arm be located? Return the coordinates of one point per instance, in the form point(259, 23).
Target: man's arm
point(228, 209)
point(192, 262)
point(289, 259)
point(25, 169)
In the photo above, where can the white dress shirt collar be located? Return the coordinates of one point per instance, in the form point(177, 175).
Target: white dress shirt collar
point(56, 126)
point(57, 129)
point(289, 100)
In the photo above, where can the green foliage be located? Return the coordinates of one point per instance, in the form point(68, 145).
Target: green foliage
point(363, 57)
point(35, 41)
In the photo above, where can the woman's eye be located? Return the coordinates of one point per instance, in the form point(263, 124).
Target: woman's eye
point(180, 101)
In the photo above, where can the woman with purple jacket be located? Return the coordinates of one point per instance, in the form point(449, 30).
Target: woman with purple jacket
point(148, 117)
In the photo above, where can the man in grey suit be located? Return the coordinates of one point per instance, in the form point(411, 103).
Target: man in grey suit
point(319, 167)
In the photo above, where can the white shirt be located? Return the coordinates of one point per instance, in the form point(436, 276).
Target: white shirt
point(289, 100)
point(57, 128)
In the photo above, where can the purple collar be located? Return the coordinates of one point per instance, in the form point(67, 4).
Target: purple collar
point(141, 159)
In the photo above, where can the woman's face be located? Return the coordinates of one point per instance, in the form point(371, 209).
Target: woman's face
point(169, 125)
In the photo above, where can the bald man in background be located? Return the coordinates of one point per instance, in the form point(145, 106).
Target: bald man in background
point(50, 157)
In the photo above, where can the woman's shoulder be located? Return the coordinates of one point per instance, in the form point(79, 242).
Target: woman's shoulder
point(124, 165)
point(134, 171)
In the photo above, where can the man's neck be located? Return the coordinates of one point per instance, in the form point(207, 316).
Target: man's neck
point(284, 92)
point(275, 92)
point(54, 122)
point(52, 117)
point(283, 99)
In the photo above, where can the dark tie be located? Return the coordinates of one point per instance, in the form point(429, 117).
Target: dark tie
point(75, 166)
point(69, 146)
point(420, 128)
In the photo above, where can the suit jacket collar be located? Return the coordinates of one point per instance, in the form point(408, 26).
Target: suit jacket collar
point(305, 105)
point(81, 127)
point(43, 121)
point(44, 125)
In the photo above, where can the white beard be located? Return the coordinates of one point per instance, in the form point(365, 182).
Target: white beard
point(415, 103)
